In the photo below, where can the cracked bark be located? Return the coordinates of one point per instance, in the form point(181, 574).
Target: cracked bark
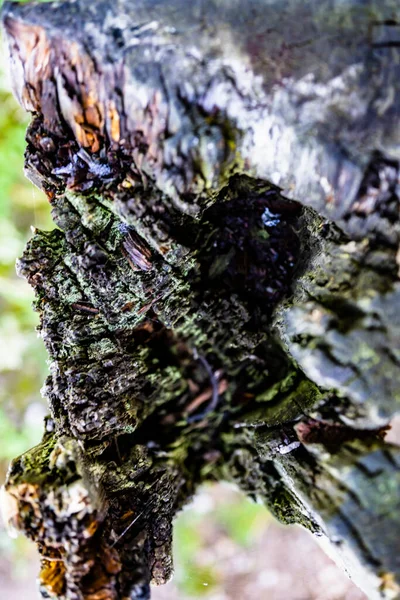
point(219, 299)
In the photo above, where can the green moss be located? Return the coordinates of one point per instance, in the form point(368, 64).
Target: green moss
point(281, 387)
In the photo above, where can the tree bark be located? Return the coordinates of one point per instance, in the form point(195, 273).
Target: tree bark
point(220, 297)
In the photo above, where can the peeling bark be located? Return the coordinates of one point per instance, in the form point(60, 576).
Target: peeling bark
point(219, 299)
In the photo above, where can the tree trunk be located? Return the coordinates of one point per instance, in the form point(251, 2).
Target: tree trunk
point(220, 298)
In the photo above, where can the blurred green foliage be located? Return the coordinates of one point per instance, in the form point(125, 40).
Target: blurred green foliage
point(221, 522)
point(22, 356)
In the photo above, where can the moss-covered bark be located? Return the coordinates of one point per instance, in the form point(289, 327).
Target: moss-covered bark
point(201, 325)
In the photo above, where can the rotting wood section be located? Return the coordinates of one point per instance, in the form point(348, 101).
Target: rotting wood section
point(220, 297)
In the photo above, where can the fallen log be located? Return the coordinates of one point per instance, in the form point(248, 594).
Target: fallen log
point(219, 299)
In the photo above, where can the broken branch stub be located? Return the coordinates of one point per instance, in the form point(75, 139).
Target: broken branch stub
point(219, 298)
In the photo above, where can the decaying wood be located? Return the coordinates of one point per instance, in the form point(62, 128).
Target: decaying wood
point(220, 297)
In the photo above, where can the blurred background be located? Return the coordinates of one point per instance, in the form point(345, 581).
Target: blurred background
point(225, 546)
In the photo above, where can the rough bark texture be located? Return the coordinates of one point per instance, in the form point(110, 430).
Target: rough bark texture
point(220, 298)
